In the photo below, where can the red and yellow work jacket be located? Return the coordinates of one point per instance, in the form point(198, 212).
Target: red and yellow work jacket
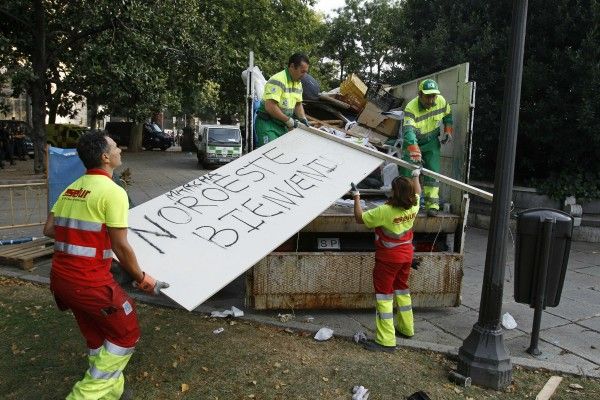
point(82, 213)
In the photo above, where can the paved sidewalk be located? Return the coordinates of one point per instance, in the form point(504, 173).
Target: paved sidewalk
point(570, 334)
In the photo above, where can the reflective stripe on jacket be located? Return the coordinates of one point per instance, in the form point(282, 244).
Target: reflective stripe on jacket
point(393, 231)
point(82, 213)
point(421, 124)
point(286, 92)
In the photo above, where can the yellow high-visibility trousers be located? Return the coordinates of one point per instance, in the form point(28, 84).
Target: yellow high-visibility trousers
point(384, 320)
point(104, 378)
point(431, 195)
point(404, 315)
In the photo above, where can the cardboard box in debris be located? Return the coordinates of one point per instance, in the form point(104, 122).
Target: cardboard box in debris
point(368, 102)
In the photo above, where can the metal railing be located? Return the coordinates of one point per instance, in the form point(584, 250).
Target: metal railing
point(23, 204)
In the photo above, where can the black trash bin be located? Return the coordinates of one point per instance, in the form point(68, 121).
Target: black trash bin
point(187, 140)
point(529, 254)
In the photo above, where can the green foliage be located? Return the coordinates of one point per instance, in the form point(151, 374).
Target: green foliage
point(362, 38)
point(138, 58)
point(584, 186)
point(341, 43)
point(560, 103)
point(205, 101)
point(147, 62)
point(274, 30)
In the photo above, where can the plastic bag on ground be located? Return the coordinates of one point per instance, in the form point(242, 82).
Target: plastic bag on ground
point(360, 393)
point(234, 312)
point(360, 337)
point(324, 334)
point(508, 322)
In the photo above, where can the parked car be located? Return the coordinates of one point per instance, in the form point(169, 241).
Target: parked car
point(12, 126)
point(152, 136)
point(29, 147)
point(65, 136)
point(218, 144)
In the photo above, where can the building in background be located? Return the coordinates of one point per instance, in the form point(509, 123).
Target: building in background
point(18, 108)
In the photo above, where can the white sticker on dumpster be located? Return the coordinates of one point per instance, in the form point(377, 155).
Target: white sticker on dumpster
point(200, 236)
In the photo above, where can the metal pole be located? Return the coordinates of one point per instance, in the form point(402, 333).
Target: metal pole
point(249, 104)
point(543, 260)
point(442, 178)
point(483, 355)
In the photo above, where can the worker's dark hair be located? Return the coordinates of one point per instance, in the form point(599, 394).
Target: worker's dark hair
point(90, 148)
point(298, 58)
point(403, 193)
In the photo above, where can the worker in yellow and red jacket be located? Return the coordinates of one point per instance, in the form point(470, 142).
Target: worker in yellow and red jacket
point(393, 223)
point(88, 223)
point(281, 107)
point(423, 116)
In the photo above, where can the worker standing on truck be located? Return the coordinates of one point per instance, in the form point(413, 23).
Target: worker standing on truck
point(281, 106)
point(88, 223)
point(393, 224)
point(422, 118)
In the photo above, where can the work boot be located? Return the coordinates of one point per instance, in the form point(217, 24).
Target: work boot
point(374, 346)
point(432, 212)
point(402, 335)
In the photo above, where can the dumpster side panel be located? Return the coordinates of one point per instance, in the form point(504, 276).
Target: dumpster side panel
point(344, 280)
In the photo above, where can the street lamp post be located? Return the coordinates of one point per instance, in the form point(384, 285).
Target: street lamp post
point(483, 356)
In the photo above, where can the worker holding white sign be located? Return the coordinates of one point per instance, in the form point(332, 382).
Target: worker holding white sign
point(393, 223)
point(89, 222)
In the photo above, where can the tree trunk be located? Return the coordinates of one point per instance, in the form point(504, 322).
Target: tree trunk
point(52, 109)
point(93, 106)
point(135, 138)
point(38, 101)
point(189, 121)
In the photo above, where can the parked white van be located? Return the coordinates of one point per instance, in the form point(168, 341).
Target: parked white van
point(218, 144)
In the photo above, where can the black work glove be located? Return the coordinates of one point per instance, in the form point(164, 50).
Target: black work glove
point(415, 263)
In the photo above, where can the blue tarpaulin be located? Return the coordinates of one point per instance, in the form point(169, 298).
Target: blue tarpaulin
point(64, 167)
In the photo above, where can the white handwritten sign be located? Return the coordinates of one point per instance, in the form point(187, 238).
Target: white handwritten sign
point(202, 235)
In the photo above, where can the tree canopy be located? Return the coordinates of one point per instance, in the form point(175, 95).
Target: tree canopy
point(558, 146)
point(137, 58)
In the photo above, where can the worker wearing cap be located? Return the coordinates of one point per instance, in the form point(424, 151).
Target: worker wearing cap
point(281, 106)
point(88, 223)
point(423, 116)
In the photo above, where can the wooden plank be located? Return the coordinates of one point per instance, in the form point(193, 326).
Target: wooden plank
point(37, 254)
point(18, 252)
point(24, 255)
point(339, 218)
point(11, 248)
point(21, 252)
point(549, 388)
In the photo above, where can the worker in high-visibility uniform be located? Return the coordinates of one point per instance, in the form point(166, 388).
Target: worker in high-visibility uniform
point(423, 116)
point(393, 223)
point(281, 107)
point(88, 223)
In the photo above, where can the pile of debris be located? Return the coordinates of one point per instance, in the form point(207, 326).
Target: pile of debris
point(358, 110)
